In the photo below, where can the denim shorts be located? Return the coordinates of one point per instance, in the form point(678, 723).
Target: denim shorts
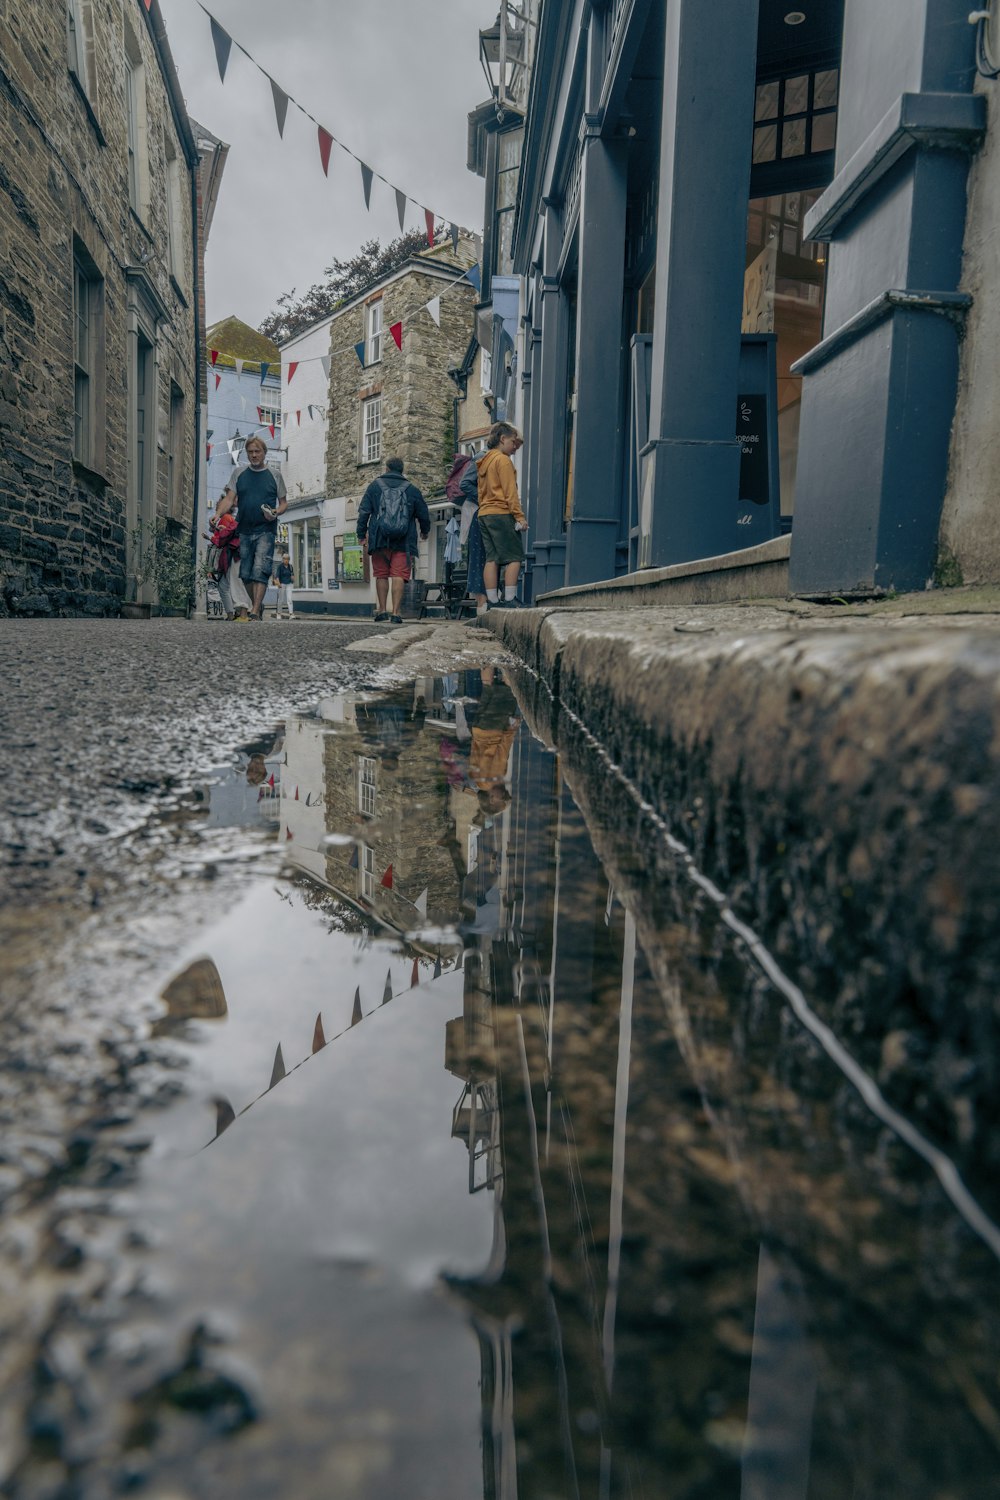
point(257, 554)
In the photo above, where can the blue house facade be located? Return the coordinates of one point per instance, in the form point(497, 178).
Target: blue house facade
point(738, 230)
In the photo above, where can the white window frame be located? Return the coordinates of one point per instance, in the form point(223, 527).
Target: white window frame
point(175, 218)
point(371, 429)
point(486, 371)
point(367, 784)
point(137, 127)
point(366, 871)
point(270, 405)
point(79, 47)
point(373, 333)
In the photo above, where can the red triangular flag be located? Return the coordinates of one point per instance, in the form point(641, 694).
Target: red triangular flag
point(396, 329)
point(298, 419)
point(288, 835)
point(213, 355)
point(260, 414)
point(319, 1040)
point(147, 3)
point(270, 427)
point(357, 1014)
point(296, 794)
point(387, 879)
point(218, 379)
point(325, 142)
point(291, 370)
point(429, 221)
point(208, 450)
point(270, 781)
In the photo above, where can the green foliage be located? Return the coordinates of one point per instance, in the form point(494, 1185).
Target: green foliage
point(166, 561)
point(344, 279)
point(947, 570)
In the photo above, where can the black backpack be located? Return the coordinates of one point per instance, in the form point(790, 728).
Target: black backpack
point(395, 511)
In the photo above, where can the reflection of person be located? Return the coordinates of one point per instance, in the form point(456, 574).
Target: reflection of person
point(390, 552)
point(493, 734)
point(256, 770)
point(283, 579)
point(501, 519)
point(257, 493)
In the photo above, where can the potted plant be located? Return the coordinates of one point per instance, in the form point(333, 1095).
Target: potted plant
point(167, 562)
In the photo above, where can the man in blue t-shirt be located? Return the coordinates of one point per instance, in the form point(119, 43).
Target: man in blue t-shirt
point(257, 492)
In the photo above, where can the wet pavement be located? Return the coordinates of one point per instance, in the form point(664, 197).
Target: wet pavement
point(443, 1137)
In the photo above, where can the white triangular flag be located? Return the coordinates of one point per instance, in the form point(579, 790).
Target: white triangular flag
point(421, 902)
point(434, 308)
point(239, 366)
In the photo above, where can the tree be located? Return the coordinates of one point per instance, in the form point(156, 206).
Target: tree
point(344, 279)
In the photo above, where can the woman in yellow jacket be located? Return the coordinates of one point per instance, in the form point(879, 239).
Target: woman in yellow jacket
point(501, 519)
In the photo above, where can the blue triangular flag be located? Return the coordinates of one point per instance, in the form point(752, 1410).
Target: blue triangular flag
point(366, 182)
point(472, 274)
point(359, 350)
point(263, 372)
point(223, 45)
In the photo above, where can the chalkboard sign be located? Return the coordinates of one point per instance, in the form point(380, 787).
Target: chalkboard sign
point(758, 505)
point(751, 433)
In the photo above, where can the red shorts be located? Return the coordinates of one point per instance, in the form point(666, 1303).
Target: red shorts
point(391, 564)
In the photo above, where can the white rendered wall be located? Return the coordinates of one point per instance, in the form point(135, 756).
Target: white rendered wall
point(305, 439)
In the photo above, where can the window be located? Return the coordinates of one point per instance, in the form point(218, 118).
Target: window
point(366, 785)
point(366, 872)
point(132, 118)
point(373, 332)
point(135, 119)
point(175, 216)
point(270, 405)
point(80, 47)
point(305, 547)
point(795, 116)
point(486, 371)
point(508, 171)
point(371, 430)
point(349, 559)
point(87, 308)
point(175, 453)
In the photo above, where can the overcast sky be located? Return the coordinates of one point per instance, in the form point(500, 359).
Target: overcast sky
point(393, 79)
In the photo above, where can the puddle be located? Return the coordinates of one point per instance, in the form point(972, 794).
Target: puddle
point(472, 1165)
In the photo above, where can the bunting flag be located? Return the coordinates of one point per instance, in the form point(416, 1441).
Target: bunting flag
point(437, 968)
point(325, 142)
point(386, 880)
point(288, 834)
point(421, 903)
point(354, 857)
point(319, 1039)
point(270, 781)
point(357, 1014)
point(298, 419)
point(472, 274)
point(291, 372)
point(396, 329)
point(208, 450)
point(147, 3)
point(387, 992)
point(263, 371)
point(260, 414)
point(324, 360)
point(225, 1114)
point(429, 221)
point(296, 794)
point(415, 975)
point(243, 404)
point(434, 308)
point(453, 230)
point(359, 350)
point(401, 208)
point(280, 107)
point(218, 380)
point(366, 182)
point(270, 428)
point(239, 363)
point(278, 1071)
point(213, 355)
point(223, 45)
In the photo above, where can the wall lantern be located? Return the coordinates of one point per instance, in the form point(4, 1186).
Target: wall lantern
point(501, 53)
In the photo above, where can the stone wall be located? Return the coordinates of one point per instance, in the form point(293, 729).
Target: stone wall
point(64, 524)
point(417, 392)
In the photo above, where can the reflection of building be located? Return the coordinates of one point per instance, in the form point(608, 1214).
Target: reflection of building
point(665, 169)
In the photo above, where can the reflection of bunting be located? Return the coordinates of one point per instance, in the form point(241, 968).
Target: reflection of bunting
point(415, 975)
point(357, 1014)
point(387, 992)
point(319, 1040)
point(354, 857)
point(437, 968)
point(396, 329)
point(421, 902)
point(224, 1116)
point(278, 1071)
point(218, 379)
point(359, 350)
point(223, 45)
point(386, 880)
point(288, 835)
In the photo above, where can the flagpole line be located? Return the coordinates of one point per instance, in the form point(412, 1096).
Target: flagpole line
point(302, 110)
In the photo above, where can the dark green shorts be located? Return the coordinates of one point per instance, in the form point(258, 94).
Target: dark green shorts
point(501, 540)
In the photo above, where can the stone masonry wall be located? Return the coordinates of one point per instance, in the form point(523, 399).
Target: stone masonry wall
point(417, 392)
point(63, 185)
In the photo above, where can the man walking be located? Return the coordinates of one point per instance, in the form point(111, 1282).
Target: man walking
point(390, 511)
point(257, 493)
point(283, 580)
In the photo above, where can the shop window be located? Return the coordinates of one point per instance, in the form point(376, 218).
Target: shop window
point(304, 546)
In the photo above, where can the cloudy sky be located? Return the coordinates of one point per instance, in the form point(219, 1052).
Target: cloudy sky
point(392, 79)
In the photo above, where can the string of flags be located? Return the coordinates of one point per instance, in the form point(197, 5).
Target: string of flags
point(225, 1114)
point(223, 42)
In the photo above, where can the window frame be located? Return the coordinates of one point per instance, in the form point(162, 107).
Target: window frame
point(370, 452)
point(374, 331)
point(366, 872)
point(88, 373)
point(367, 784)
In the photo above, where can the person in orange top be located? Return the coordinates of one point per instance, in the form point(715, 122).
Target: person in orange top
point(501, 519)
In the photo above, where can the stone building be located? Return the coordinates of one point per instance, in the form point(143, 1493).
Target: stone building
point(106, 192)
point(746, 260)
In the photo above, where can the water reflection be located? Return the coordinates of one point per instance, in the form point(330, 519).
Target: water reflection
point(694, 1265)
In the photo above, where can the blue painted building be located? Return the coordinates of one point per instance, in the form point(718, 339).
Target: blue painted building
point(244, 399)
point(738, 213)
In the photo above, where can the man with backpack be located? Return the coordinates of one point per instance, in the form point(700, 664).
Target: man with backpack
point(390, 512)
